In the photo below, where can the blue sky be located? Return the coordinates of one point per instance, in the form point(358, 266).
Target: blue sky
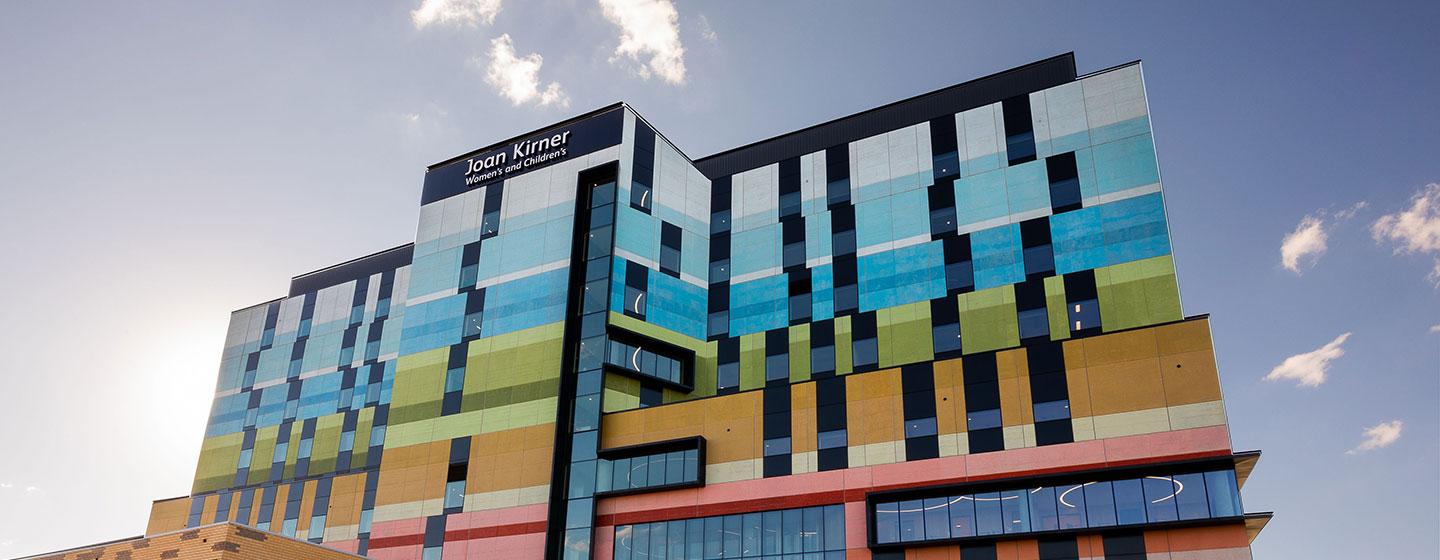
point(164, 165)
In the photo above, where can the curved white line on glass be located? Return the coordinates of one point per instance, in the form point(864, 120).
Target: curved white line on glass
point(1178, 487)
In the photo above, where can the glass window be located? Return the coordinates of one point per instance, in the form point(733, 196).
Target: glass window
point(946, 337)
point(719, 221)
point(982, 419)
point(675, 467)
point(640, 541)
point(582, 480)
point(580, 513)
point(750, 535)
point(455, 494)
point(714, 537)
point(1039, 260)
point(937, 518)
point(920, 428)
point(988, 517)
point(1034, 323)
point(1084, 314)
point(728, 375)
point(640, 197)
point(887, 523)
point(834, 527)
point(1100, 504)
point(831, 439)
point(675, 534)
point(812, 520)
point(731, 539)
point(962, 516)
point(454, 379)
point(639, 472)
point(587, 412)
point(790, 531)
point(867, 352)
point(658, 541)
point(692, 465)
point(777, 367)
point(1070, 506)
point(1224, 497)
point(1190, 496)
point(694, 538)
point(1129, 502)
point(1053, 410)
point(1160, 494)
point(822, 359)
point(621, 475)
point(1016, 508)
point(777, 446)
point(599, 243)
point(595, 294)
point(634, 300)
point(1043, 515)
point(771, 526)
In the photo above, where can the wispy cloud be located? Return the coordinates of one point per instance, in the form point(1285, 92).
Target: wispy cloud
point(1307, 242)
point(459, 12)
point(1435, 329)
point(1379, 436)
point(1415, 229)
point(517, 78)
point(702, 24)
point(1352, 210)
point(1309, 369)
point(648, 29)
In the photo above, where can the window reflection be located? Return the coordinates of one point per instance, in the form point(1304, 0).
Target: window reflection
point(1130, 501)
point(810, 533)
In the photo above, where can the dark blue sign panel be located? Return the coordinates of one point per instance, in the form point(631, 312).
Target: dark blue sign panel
point(534, 151)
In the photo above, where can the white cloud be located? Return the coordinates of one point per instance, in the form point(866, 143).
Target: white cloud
point(1309, 369)
point(460, 12)
point(1435, 329)
point(648, 28)
point(1378, 436)
point(1308, 240)
point(517, 78)
point(1415, 229)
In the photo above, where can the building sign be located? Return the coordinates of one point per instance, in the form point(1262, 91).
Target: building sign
point(527, 154)
point(520, 156)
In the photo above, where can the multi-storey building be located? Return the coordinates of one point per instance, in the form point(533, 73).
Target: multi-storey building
point(948, 327)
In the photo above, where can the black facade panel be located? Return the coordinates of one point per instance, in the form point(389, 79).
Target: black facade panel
point(1023, 80)
point(362, 267)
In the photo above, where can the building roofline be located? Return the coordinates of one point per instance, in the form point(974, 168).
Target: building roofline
point(351, 261)
point(1067, 57)
point(186, 529)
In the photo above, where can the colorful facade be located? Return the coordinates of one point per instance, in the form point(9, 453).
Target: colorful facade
point(948, 327)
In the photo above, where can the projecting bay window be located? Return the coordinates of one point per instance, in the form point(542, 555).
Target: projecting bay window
point(649, 360)
point(1125, 498)
point(648, 467)
point(812, 533)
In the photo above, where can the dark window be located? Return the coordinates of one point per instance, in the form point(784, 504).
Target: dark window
point(1064, 182)
point(1124, 546)
point(670, 249)
point(1019, 130)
